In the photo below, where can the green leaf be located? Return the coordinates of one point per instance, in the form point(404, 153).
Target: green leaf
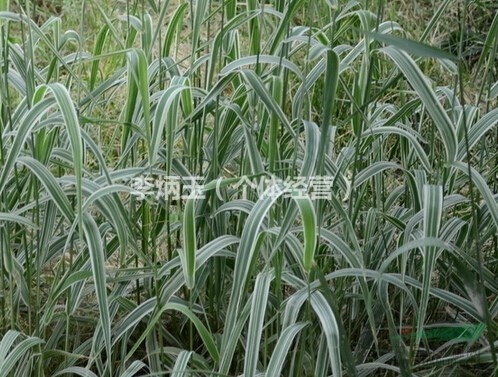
point(256, 320)
point(410, 46)
point(97, 259)
point(330, 330)
point(420, 83)
point(188, 254)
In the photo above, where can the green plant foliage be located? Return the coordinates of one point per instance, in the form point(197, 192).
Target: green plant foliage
point(247, 188)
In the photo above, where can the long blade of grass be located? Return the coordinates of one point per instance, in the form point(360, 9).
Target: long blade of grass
point(330, 329)
point(256, 320)
point(281, 349)
point(188, 255)
point(97, 259)
point(433, 211)
point(419, 82)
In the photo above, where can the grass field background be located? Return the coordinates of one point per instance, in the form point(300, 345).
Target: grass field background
point(389, 107)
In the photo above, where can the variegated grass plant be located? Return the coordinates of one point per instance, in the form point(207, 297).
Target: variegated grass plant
point(97, 281)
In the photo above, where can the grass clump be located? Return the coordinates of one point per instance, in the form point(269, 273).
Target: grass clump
point(221, 188)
